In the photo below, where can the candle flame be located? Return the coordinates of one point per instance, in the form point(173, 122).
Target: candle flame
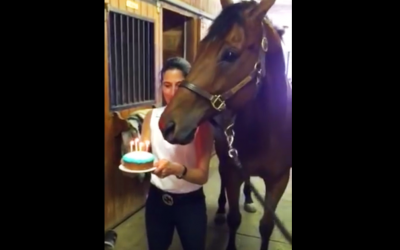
point(131, 143)
point(137, 139)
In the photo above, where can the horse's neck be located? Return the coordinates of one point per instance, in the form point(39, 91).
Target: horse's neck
point(267, 115)
point(253, 120)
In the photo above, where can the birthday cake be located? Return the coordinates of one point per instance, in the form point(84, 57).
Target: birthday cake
point(138, 160)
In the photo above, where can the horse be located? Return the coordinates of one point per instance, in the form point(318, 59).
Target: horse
point(239, 74)
point(134, 129)
point(248, 202)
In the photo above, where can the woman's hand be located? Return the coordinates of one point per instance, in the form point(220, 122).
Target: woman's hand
point(166, 168)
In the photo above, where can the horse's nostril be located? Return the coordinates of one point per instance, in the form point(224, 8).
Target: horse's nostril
point(169, 128)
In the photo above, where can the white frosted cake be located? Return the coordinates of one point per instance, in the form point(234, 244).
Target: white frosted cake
point(138, 160)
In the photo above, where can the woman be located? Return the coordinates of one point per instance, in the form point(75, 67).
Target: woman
point(176, 198)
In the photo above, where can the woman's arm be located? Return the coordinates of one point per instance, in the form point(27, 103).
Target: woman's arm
point(203, 145)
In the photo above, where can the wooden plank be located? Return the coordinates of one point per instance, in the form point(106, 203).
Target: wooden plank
point(158, 28)
point(122, 5)
point(177, 10)
point(114, 3)
point(145, 7)
point(109, 211)
point(205, 25)
point(139, 10)
point(193, 37)
point(122, 195)
point(212, 7)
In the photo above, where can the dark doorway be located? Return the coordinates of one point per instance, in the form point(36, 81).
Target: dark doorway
point(174, 34)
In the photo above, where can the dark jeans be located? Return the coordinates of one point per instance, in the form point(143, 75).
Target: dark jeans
point(187, 214)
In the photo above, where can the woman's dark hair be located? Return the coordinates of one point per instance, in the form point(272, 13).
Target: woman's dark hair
point(176, 63)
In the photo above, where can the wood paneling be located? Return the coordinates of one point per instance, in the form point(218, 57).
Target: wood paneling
point(124, 195)
point(178, 10)
point(205, 25)
point(193, 38)
point(212, 7)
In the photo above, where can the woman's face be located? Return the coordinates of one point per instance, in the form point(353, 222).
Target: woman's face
point(171, 80)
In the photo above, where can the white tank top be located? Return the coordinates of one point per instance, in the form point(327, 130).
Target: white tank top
point(185, 155)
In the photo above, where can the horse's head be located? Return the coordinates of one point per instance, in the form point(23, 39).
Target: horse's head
point(230, 60)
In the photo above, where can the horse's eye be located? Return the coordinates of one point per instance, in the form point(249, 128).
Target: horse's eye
point(229, 56)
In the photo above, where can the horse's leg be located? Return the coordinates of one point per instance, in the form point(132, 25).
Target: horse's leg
point(248, 201)
point(232, 182)
point(275, 190)
point(220, 215)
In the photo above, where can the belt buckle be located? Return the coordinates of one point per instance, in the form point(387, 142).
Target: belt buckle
point(167, 199)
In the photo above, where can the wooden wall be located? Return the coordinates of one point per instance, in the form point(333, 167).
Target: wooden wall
point(204, 25)
point(123, 195)
point(212, 7)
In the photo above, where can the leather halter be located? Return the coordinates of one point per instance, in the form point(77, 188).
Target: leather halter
point(218, 101)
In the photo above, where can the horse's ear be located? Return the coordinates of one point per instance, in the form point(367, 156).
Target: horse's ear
point(261, 9)
point(226, 3)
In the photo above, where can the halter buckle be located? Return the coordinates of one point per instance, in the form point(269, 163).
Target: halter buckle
point(264, 44)
point(217, 102)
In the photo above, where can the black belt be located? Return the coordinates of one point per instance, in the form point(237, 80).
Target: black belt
point(171, 199)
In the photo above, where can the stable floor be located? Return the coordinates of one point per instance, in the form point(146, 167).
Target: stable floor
point(132, 236)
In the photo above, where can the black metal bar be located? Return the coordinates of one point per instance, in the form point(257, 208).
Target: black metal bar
point(115, 85)
point(111, 72)
point(144, 61)
point(148, 54)
point(134, 81)
point(139, 45)
point(121, 22)
point(128, 37)
point(146, 73)
point(152, 64)
point(185, 39)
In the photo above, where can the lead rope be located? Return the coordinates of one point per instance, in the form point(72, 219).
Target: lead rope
point(233, 154)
